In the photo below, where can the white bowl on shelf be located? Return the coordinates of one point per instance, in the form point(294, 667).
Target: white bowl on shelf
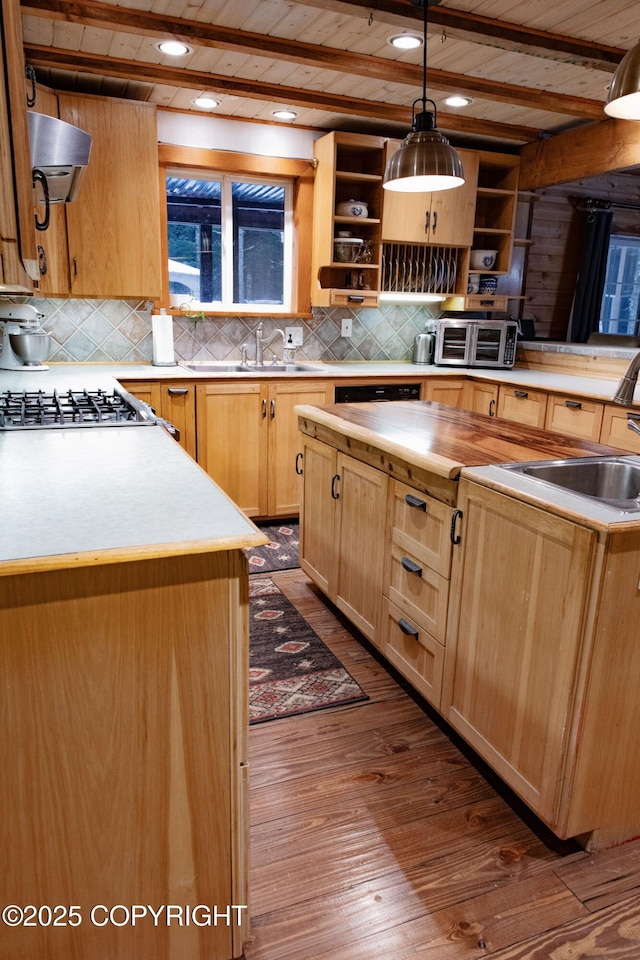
point(483, 259)
point(353, 208)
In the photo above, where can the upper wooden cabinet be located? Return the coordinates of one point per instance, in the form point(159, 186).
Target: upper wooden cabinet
point(18, 253)
point(495, 212)
point(445, 218)
point(350, 167)
point(112, 247)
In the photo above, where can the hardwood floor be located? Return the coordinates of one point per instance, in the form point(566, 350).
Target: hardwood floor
point(376, 834)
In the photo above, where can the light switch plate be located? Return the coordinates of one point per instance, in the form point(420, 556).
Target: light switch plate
point(345, 329)
point(293, 336)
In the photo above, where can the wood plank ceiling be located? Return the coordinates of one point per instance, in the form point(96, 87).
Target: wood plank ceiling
point(532, 70)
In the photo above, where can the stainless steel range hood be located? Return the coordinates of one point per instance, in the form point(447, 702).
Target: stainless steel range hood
point(61, 151)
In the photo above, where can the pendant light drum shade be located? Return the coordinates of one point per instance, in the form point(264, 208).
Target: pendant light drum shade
point(424, 162)
point(623, 100)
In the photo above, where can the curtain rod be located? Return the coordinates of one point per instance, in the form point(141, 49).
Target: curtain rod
point(596, 205)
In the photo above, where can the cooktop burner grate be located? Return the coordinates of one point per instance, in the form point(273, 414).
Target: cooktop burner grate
point(72, 408)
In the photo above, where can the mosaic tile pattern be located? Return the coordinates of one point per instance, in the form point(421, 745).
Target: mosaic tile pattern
point(96, 331)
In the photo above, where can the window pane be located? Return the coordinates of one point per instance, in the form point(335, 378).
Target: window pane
point(258, 243)
point(194, 232)
point(621, 296)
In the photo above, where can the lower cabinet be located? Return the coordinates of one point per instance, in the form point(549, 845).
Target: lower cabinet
point(481, 397)
point(522, 405)
point(248, 441)
point(173, 401)
point(448, 390)
point(521, 581)
point(343, 521)
point(574, 416)
point(615, 431)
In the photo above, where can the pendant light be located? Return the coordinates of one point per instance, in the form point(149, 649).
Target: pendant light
point(425, 161)
point(623, 100)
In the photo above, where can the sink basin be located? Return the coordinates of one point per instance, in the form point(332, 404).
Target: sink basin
point(611, 480)
point(211, 366)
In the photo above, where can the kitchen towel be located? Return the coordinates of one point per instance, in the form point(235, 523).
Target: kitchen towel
point(162, 336)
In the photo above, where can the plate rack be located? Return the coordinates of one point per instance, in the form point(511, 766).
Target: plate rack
point(419, 268)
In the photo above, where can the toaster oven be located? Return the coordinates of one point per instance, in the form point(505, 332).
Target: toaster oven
point(475, 343)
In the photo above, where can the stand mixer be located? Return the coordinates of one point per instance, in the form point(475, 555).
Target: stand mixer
point(23, 344)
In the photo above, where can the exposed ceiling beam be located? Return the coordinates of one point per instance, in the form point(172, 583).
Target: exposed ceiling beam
point(473, 27)
point(94, 13)
point(257, 90)
point(584, 152)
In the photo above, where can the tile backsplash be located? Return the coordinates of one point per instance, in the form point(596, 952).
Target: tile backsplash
point(103, 331)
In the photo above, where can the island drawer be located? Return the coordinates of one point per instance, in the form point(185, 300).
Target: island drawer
point(422, 593)
point(421, 526)
point(413, 651)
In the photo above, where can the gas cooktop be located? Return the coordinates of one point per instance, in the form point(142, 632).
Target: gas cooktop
point(37, 409)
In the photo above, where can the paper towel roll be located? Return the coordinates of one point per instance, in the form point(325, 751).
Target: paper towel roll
point(162, 335)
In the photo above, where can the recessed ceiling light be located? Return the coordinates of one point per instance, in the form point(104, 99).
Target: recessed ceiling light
point(174, 48)
point(285, 114)
point(457, 101)
point(205, 103)
point(406, 41)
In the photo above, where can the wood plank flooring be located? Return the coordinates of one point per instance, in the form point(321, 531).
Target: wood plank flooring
point(376, 834)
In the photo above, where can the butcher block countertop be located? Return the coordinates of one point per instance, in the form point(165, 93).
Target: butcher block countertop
point(430, 446)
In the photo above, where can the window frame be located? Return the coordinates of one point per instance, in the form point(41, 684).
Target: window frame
point(299, 172)
point(629, 242)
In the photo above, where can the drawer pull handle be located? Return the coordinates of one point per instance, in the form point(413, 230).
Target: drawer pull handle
point(407, 628)
point(272, 408)
point(299, 458)
point(353, 298)
point(177, 391)
point(264, 409)
point(492, 408)
point(521, 394)
point(455, 537)
point(334, 478)
point(573, 404)
point(410, 566)
point(416, 502)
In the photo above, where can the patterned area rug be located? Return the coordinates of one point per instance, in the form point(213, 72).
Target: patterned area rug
point(282, 551)
point(291, 671)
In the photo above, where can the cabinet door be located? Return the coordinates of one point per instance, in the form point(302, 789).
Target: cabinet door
point(448, 390)
point(317, 516)
point(445, 218)
point(360, 537)
point(522, 405)
point(284, 443)
point(114, 225)
point(482, 397)
point(175, 402)
point(231, 421)
point(510, 668)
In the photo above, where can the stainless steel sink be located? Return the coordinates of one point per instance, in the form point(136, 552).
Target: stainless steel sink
point(611, 480)
point(211, 366)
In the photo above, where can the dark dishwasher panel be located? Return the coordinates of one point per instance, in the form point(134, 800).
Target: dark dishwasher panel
point(377, 391)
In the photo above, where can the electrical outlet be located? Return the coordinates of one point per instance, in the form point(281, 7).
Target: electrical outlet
point(345, 330)
point(293, 336)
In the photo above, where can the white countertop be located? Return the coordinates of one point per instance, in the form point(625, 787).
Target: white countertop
point(87, 494)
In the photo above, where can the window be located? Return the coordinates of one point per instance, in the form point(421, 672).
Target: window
point(620, 307)
point(230, 241)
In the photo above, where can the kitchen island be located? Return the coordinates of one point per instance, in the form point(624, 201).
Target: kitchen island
point(511, 606)
point(124, 644)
